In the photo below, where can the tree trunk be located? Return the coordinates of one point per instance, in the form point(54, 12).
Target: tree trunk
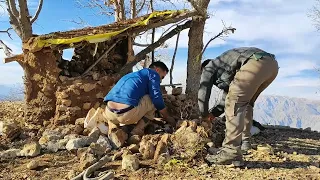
point(41, 81)
point(195, 46)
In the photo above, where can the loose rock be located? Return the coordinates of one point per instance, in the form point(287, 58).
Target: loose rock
point(162, 146)
point(54, 146)
point(163, 158)
point(134, 148)
point(66, 102)
point(78, 143)
point(187, 143)
point(94, 134)
point(130, 162)
point(31, 149)
point(182, 97)
point(88, 87)
point(86, 160)
point(104, 141)
point(80, 122)
point(97, 149)
point(265, 149)
point(33, 164)
point(118, 137)
point(86, 106)
point(10, 153)
point(49, 135)
point(134, 139)
point(10, 130)
point(148, 146)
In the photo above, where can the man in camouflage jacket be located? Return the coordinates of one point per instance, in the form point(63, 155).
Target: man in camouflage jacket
point(242, 73)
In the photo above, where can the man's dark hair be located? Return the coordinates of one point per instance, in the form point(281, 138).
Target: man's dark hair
point(160, 65)
point(205, 63)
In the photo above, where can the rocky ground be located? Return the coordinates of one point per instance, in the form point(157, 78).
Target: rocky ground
point(279, 153)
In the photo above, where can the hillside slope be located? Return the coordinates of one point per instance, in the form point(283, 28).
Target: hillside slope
point(286, 111)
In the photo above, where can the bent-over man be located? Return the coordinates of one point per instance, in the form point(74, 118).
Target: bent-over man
point(137, 95)
point(242, 73)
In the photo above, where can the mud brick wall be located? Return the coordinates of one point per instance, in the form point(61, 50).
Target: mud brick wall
point(75, 97)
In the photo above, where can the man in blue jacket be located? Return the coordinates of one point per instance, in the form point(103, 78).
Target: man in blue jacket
point(137, 95)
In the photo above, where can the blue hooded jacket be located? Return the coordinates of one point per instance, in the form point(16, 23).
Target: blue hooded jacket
point(133, 86)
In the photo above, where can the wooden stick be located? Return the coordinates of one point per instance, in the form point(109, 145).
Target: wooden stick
point(142, 54)
point(164, 85)
point(173, 58)
point(100, 58)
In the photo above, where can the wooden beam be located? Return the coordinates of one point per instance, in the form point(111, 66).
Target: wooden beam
point(18, 58)
point(142, 54)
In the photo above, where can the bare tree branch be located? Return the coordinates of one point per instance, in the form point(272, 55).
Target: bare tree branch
point(6, 49)
point(13, 8)
point(141, 55)
point(173, 58)
point(225, 30)
point(133, 9)
point(34, 18)
point(164, 32)
point(81, 22)
point(141, 45)
point(24, 20)
point(7, 31)
point(141, 7)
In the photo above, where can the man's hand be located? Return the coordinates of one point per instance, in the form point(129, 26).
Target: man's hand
point(171, 121)
point(210, 117)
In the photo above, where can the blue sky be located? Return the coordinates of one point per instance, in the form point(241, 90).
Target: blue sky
point(276, 26)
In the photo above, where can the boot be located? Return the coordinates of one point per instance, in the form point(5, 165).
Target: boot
point(225, 158)
point(245, 146)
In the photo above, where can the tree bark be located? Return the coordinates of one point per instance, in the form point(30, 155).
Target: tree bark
point(24, 20)
point(133, 9)
point(120, 14)
point(195, 47)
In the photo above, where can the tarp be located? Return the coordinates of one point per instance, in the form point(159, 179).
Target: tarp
point(101, 37)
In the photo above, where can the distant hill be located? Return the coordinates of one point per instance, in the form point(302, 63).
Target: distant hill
point(11, 92)
point(287, 111)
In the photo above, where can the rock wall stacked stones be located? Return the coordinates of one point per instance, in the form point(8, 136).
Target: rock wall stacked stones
point(180, 106)
point(84, 56)
point(75, 97)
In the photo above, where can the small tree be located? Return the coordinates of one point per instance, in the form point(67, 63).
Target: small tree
point(195, 47)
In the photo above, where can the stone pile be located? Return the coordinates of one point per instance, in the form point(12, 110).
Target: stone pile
point(180, 106)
